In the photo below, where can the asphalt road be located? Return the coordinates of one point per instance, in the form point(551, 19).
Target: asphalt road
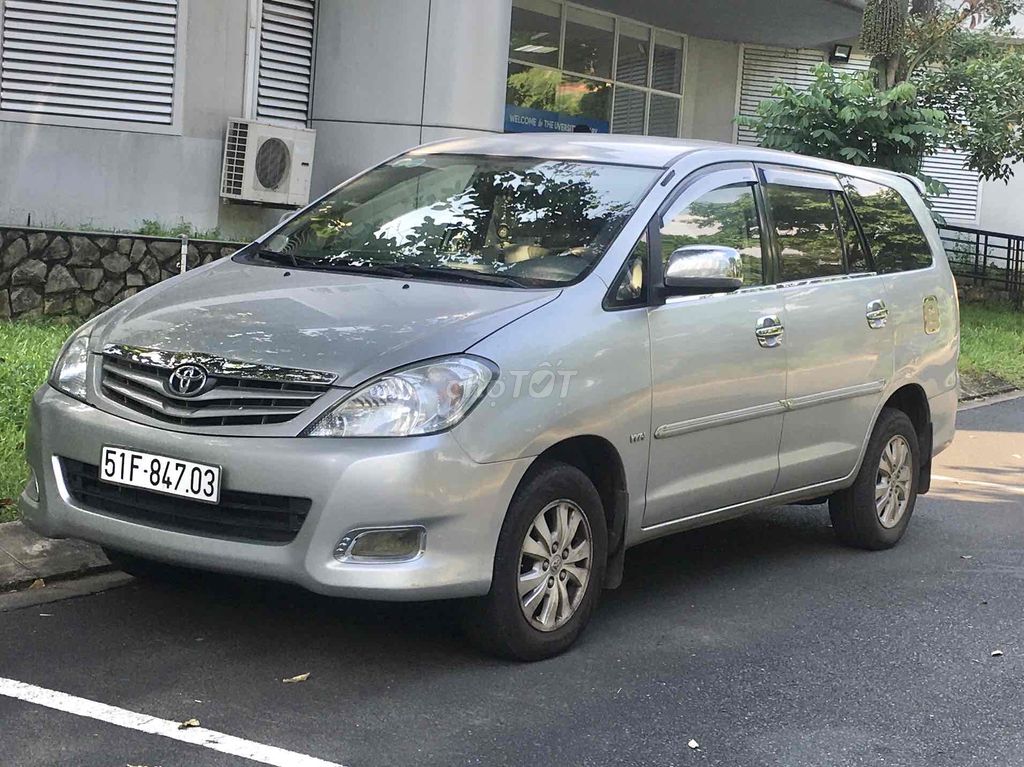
point(761, 639)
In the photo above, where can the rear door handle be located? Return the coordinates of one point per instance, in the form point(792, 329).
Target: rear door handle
point(877, 314)
point(769, 331)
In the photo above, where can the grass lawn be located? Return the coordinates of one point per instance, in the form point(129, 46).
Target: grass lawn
point(26, 352)
point(992, 343)
point(992, 346)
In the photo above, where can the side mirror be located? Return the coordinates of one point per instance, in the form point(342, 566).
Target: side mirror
point(707, 268)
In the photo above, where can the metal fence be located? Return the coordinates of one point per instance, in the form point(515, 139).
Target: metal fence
point(992, 260)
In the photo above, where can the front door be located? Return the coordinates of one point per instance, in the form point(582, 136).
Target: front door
point(718, 362)
point(839, 339)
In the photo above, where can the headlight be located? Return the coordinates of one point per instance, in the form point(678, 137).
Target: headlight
point(422, 399)
point(68, 374)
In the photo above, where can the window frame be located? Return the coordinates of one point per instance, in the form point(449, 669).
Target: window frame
point(174, 128)
point(647, 89)
point(857, 232)
point(771, 253)
point(721, 175)
point(863, 235)
point(609, 302)
point(833, 183)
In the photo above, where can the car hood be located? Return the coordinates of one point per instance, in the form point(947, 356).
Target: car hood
point(350, 325)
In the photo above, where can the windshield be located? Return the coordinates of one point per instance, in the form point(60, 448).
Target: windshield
point(520, 222)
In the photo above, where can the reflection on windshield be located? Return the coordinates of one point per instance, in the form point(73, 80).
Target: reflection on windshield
point(523, 221)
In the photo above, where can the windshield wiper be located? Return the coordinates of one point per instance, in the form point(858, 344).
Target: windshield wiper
point(462, 275)
point(278, 257)
point(392, 269)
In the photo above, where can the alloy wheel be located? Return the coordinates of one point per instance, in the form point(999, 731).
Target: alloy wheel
point(894, 482)
point(555, 565)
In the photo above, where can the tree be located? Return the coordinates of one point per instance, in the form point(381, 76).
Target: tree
point(843, 116)
point(907, 37)
point(945, 73)
point(958, 56)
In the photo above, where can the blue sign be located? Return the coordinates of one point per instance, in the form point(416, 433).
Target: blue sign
point(523, 120)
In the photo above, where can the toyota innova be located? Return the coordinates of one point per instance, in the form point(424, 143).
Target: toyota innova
point(487, 367)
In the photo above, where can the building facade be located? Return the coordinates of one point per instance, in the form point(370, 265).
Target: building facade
point(116, 111)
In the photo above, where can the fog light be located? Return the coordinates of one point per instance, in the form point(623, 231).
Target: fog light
point(32, 487)
point(388, 544)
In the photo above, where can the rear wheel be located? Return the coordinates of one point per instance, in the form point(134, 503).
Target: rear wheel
point(874, 512)
point(548, 568)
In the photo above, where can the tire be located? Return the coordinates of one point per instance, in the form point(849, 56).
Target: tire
point(856, 517)
point(499, 622)
point(147, 569)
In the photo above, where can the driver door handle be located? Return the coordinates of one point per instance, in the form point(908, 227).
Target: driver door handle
point(769, 331)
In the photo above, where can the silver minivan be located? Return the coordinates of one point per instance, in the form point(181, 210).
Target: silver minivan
point(487, 367)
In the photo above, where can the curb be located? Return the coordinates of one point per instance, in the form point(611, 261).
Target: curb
point(27, 558)
point(990, 399)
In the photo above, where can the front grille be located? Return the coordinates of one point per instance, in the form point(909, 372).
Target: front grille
point(250, 517)
point(235, 393)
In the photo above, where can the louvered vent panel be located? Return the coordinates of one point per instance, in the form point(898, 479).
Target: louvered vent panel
point(764, 67)
point(286, 60)
point(961, 204)
point(234, 157)
point(106, 59)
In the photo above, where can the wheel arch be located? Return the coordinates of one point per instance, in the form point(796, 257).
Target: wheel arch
point(601, 462)
point(912, 400)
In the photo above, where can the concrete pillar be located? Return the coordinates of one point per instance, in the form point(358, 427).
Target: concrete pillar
point(391, 74)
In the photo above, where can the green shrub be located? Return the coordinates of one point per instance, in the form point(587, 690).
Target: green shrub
point(843, 116)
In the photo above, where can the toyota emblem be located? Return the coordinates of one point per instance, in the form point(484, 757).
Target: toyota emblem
point(187, 380)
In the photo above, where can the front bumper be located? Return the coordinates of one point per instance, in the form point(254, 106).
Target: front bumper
point(353, 483)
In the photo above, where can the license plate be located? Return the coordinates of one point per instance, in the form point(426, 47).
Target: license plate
point(160, 474)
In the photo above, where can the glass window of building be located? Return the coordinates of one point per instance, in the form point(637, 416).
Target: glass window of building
point(589, 42)
point(667, 73)
point(572, 68)
point(630, 107)
point(664, 120)
point(584, 97)
point(536, 29)
point(634, 60)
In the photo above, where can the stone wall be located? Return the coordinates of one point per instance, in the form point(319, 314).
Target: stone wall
point(54, 273)
point(991, 293)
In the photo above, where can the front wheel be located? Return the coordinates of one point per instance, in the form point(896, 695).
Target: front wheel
point(874, 512)
point(548, 568)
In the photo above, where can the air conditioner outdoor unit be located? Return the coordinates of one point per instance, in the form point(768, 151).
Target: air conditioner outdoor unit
point(267, 164)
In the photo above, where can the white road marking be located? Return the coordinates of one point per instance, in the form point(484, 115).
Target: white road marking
point(979, 483)
point(197, 736)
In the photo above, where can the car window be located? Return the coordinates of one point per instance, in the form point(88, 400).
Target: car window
point(856, 255)
point(807, 230)
point(726, 217)
point(894, 235)
point(515, 221)
point(631, 288)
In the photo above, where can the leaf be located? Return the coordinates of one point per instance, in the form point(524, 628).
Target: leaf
point(188, 724)
point(296, 679)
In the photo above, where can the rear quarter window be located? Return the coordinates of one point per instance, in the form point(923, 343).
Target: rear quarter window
point(896, 240)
